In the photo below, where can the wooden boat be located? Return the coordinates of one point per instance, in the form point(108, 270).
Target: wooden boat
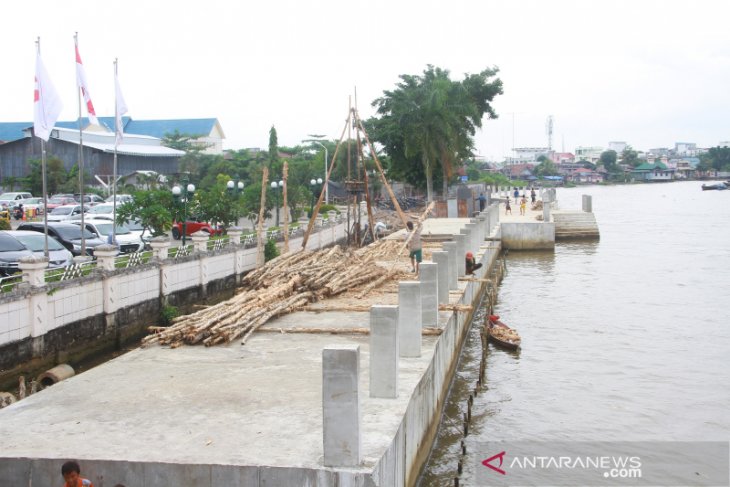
point(718, 186)
point(501, 334)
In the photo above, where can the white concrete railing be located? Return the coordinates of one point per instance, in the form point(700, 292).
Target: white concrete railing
point(35, 307)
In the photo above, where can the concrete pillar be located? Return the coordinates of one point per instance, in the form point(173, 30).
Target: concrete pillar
point(105, 255)
point(587, 203)
point(341, 418)
point(474, 242)
point(409, 318)
point(160, 246)
point(429, 293)
point(384, 351)
point(482, 226)
point(441, 258)
point(200, 241)
point(450, 247)
point(34, 270)
point(234, 233)
point(460, 254)
point(546, 211)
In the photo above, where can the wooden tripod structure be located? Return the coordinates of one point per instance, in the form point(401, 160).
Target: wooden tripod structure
point(357, 182)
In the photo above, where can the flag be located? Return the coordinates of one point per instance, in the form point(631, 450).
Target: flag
point(46, 102)
point(121, 109)
point(84, 87)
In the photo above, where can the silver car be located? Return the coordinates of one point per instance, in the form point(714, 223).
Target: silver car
point(11, 251)
point(58, 255)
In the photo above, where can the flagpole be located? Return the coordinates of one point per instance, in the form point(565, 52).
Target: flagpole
point(43, 179)
point(114, 170)
point(81, 158)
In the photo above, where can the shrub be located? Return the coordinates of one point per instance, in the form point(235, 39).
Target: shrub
point(270, 250)
point(4, 224)
point(167, 314)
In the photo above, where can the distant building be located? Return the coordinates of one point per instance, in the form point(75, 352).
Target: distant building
point(563, 158)
point(525, 155)
point(518, 171)
point(583, 175)
point(659, 151)
point(653, 171)
point(619, 147)
point(724, 143)
point(208, 129)
point(136, 153)
point(590, 154)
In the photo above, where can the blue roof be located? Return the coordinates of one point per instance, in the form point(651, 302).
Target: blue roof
point(10, 131)
point(158, 128)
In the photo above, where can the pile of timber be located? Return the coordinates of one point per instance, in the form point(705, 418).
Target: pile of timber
point(283, 285)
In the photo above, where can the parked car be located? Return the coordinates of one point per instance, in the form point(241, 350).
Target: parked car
point(121, 198)
point(192, 226)
point(56, 201)
point(102, 210)
point(68, 234)
point(127, 241)
point(64, 213)
point(8, 200)
point(58, 255)
point(30, 204)
point(11, 251)
point(89, 199)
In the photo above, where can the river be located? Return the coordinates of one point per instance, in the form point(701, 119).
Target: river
point(626, 338)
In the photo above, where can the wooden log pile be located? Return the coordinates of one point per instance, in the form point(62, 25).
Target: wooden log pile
point(283, 285)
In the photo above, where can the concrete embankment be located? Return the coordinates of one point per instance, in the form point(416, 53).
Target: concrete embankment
point(258, 414)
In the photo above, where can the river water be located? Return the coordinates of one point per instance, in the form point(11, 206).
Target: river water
point(626, 338)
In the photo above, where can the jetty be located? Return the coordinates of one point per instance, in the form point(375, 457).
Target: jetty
point(347, 391)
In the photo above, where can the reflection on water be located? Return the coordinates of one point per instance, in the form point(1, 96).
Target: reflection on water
point(622, 339)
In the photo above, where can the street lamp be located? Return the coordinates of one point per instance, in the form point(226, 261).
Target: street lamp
point(313, 183)
point(275, 185)
point(234, 188)
point(326, 190)
point(177, 193)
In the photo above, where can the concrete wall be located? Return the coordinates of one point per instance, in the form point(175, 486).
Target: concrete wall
point(528, 236)
point(28, 313)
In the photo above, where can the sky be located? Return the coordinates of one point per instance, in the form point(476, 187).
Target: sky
point(646, 72)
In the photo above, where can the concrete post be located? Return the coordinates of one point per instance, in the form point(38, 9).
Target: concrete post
point(546, 210)
point(474, 242)
point(441, 258)
point(160, 246)
point(200, 241)
point(234, 233)
point(460, 254)
point(384, 351)
point(34, 270)
point(587, 203)
point(429, 293)
point(105, 255)
point(450, 247)
point(341, 406)
point(409, 318)
point(482, 226)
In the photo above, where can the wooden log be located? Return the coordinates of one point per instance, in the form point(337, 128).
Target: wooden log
point(260, 228)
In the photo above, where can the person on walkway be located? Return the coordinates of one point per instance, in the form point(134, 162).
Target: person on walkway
point(523, 205)
point(533, 196)
point(507, 208)
point(72, 475)
point(414, 245)
point(471, 264)
point(516, 194)
point(482, 202)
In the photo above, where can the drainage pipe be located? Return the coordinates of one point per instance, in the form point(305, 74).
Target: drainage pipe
point(56, 374)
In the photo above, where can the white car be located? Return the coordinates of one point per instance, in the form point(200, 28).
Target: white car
point(58, 255)
point(64, 213)
point(31, 204)
point(9, 200)
point(128, 242)
point(104, 210)
point(121, 198)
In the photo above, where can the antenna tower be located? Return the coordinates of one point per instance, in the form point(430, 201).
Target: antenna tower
point(549, 131)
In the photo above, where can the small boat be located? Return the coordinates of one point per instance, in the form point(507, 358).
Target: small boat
point(501, 334)
point(718, 186)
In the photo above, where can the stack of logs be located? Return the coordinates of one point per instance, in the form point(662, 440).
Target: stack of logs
point(283, 285)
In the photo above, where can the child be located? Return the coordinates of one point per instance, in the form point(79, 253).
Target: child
point(523, 205)
point(507, 208)
point(72, 475)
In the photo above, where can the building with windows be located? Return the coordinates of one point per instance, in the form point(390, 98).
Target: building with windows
point(590, 154)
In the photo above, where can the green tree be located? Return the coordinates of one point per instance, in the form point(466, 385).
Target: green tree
point(218, 205)
point(431, 119)
point(608, 161)
point(155, 210)
point(193, 147)
point(546, 167)
point(251, 202)
point(274, 162)
point(630, 157)
point(717, 158)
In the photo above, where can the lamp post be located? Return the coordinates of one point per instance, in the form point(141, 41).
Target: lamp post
point(313, 183)
point(177, 193)
point(327, 189)
point(274, 186)
point(233, 189)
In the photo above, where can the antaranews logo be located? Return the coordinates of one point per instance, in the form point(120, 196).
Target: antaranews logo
point(488, 462)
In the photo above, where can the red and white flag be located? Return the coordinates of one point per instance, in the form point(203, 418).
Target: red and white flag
point(120, 109)
point(46, 102)
point(84, 87)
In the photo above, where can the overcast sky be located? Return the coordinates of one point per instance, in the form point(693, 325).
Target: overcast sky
point(650, 73)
